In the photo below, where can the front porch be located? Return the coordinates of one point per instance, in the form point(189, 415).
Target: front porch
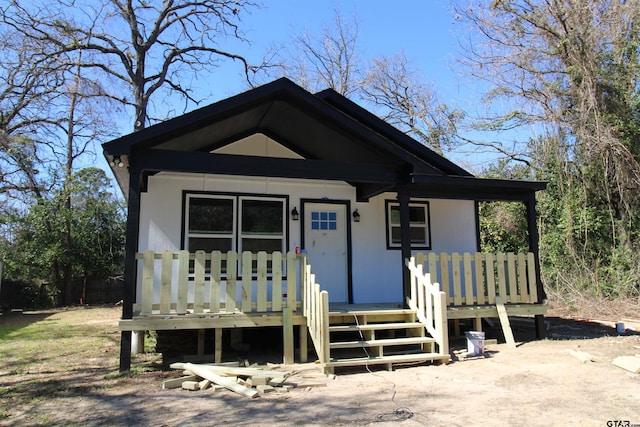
point(202, 291)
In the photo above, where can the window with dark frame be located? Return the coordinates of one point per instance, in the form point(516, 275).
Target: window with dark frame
point(239, 223)
point(418, 224)
point(210, 223)
point(262, 225)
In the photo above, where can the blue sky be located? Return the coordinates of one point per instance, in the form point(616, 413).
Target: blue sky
point(422, 29)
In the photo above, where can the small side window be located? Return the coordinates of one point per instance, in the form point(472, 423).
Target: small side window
point(418, 225)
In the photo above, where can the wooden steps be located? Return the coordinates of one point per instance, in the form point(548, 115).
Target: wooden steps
point(398, 358)
point(381, 342)
point(363, 337)
point(374, 327)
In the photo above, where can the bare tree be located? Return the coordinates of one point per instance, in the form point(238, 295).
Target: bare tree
point(570, 67)
point(142, 47)
point(29, 85)
point(328, 60)
point(402, 98)
point(388, 85)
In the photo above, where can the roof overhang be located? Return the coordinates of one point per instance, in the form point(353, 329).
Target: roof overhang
point(335, 138)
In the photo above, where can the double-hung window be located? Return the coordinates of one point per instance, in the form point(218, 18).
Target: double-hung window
point(261, 225)
point(418, 225)
point(211, 223)
point(238, 223)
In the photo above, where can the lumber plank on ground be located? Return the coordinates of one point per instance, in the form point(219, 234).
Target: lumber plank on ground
point(177, 382)
point(191, 385)
point(629, 363)
point(257, 380)
point(229, 383)
point(582, 356)
point(234, 371)
point(504, 321)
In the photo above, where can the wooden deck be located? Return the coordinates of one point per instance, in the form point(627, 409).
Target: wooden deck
point(199, 291)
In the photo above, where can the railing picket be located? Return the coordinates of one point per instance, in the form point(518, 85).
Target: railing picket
point(522, 278)
point(291, 280)
point(491, 278)
point(444, 275)
point(165, 282)
point(433, 270)
point(412, 280)
point(216, 288)
point(231, 268)
point(502, 279)
point(261, 282)
point(247, 271)
point(419, 289)
point(198, 282)
point(457, 284)
point(148, 264)
point(480, 283)
point(183, 282)
point(276, 282)
point(468, 279)
point(511, 271)
point(531, 273)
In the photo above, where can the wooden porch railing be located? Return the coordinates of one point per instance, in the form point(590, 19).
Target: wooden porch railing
point(476, 279)
point(204, 282)
point(430, 305)
point(315, 306)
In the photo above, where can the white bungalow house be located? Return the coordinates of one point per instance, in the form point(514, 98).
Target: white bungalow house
point(218, 195)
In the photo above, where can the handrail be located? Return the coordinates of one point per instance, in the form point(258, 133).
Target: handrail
point(315, 303)
point(477, 278)
point(208, 282)
point(429, 304)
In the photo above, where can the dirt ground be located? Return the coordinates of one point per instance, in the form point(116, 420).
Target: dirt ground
point(68, 375)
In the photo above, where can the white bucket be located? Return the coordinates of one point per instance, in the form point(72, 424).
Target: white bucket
point(475, 342)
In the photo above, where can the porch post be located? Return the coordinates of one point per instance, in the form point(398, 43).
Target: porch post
point(405, 238)
point(532, 228)
point(131, 246)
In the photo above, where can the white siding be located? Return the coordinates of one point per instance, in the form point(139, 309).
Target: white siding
point(377, 271)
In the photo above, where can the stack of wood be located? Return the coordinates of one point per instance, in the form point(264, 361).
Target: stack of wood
point(247, 381)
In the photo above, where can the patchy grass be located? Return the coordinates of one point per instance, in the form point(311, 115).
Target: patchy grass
point(60, 354)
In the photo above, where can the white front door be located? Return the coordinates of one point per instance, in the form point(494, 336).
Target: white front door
point(326, 240)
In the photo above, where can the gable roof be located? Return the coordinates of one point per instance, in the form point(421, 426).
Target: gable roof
point(336, 138)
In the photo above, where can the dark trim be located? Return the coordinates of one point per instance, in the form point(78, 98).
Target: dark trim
point(472, 188)
point(478, 239)
point(389, 202)
point(405, 233)
point(347, 204)
point(532, 229)
point(229, 164)
point(130, 265)
point(263, 97)
point(236, 196)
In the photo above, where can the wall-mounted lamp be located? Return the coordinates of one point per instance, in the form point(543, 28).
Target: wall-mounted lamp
point(356, 216)
point(294, 214)
point(116, 160)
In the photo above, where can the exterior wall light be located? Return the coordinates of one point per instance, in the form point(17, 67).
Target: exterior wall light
point(356, 216)
point(294, 214)
point(116, 160)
